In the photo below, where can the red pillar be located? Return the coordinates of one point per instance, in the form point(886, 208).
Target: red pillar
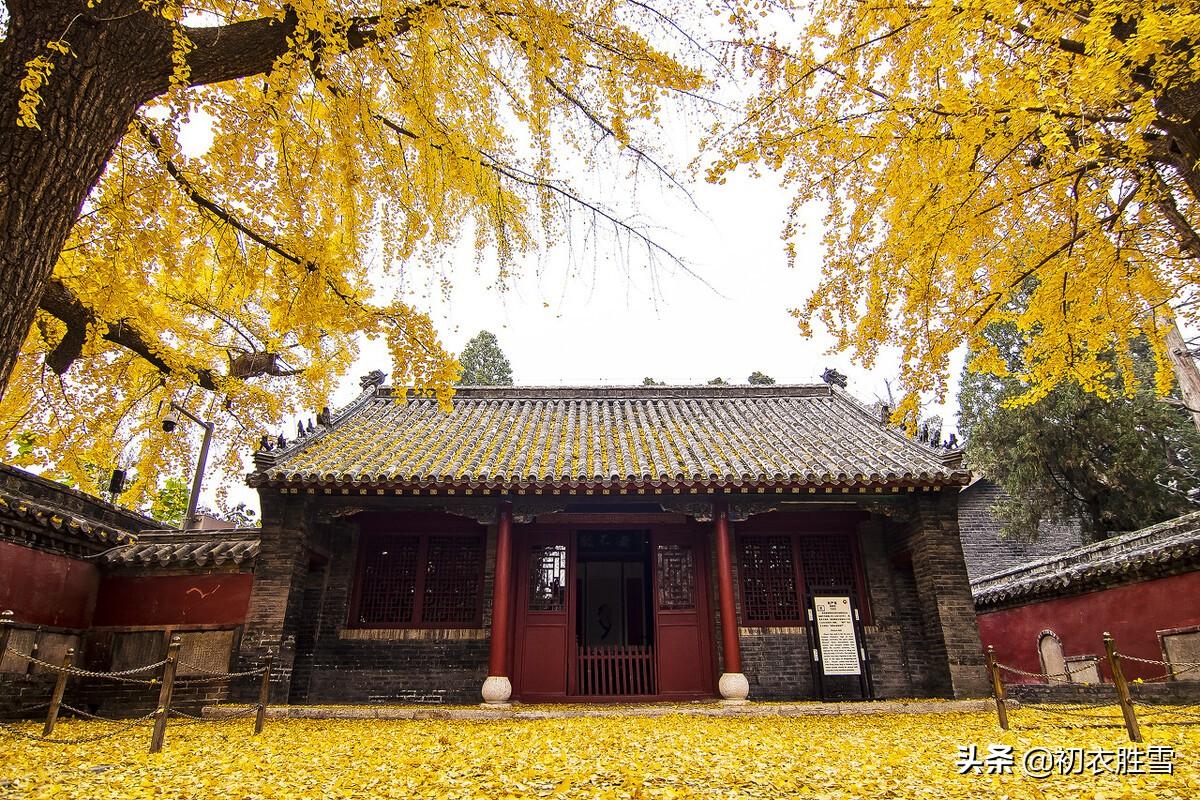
point(731, 647)
point(498, 688)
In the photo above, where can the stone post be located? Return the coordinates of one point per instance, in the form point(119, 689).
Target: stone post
point(733, 685)
point(497, 688)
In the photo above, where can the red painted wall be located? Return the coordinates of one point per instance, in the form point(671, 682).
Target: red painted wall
point(219, 599)
point(47, 589)
point(1132, 614)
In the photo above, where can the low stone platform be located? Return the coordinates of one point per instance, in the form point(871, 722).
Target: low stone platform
point(520, 711)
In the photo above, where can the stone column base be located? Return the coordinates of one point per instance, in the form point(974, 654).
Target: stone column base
point(734, 688)
point(496, 691)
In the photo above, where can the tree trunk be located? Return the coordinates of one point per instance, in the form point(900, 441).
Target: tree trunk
point(88, 103)
point(1185, 371)
point(120, 59)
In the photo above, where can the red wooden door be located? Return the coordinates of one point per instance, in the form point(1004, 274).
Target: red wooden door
point(544, 606)
point(681, 614)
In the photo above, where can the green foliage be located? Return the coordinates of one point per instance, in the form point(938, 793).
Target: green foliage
point(718, 382)
point(171, 502)
point(242, 516)
point(652, 382)
point(1117, 464)
point(758, 378)
point(484, 363)
point(25, 441)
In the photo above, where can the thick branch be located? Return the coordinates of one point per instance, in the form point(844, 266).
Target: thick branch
point(242, 49)
point(65, 305)
point(238, 50)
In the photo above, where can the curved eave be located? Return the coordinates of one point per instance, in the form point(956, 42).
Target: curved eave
point(1080, 581)
point(50, 519)
point(826, 484)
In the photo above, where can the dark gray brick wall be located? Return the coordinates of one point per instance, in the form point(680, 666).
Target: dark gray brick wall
point(280, 573)
point(955, 665)
point(777, 665)
point(408, 670)
point(986, 551)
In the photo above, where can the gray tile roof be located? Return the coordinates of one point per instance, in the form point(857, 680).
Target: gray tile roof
point(573, 438)
point(50, 517)
point(209, 549)
point(1167, 548)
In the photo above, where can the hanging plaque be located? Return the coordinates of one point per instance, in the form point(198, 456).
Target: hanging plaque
point(836, 636)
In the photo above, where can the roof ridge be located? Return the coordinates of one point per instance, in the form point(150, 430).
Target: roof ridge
point(268, 456)
point(617, 392)
point(131, 515)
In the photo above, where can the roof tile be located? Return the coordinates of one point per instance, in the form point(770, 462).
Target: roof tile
point(588, 436)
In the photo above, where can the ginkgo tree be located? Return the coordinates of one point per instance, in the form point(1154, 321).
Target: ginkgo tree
point(350, 140)
point(990, 162)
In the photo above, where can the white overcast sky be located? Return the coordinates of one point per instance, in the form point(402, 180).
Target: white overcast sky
point(604, 322)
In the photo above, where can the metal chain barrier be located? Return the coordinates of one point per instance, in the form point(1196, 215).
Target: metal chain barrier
point(121, 677)
point(15, 731)
point(211, 673)
point(1107, 714)
point(217, 677)
point(1160, 663)
point(79, 712)
point(1171, 674)
point(1102, 712)
point(165, 682)
point(1050, 707)
point(1159, 711)
point(1064, 677)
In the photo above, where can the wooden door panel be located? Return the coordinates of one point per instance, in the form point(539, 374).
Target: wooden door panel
point(544, 607)
point(681, 614)
point(681, 661)
point(545, 660)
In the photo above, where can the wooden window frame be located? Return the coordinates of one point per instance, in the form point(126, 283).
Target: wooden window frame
point(797, 582)
point(418, 622)
point(860, 582)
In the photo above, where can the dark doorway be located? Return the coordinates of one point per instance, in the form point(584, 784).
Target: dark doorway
point(614, 622)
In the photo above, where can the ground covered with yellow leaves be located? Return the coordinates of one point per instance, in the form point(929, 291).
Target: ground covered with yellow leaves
point(881, 755)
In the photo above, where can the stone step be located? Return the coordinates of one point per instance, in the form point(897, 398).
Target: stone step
point(565, 711)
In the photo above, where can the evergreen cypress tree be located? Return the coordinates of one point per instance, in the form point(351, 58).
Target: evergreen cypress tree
point(1117, 464)
point(484, 363)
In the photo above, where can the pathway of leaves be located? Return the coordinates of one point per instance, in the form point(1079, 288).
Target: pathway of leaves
point(892, 756)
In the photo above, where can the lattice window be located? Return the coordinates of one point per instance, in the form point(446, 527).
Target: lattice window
point(676, 577)
point(767, 568)
point(415, 581)
point(388, 584)
point(452, 570)
point(548, 577)
point(828, 563)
